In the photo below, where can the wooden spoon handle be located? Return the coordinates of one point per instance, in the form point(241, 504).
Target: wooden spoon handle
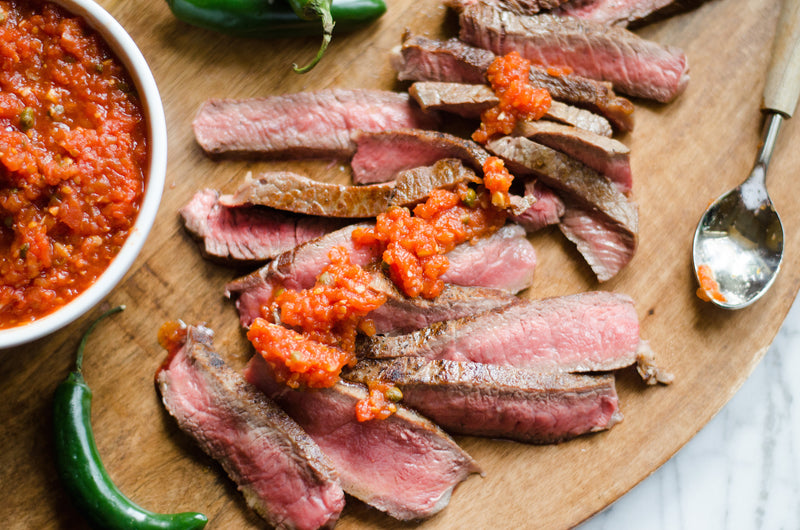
point(783, 79)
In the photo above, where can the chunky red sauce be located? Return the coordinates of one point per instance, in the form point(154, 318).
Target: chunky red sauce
point(509, 76)
point(709, 288)
point(497, 181)
point(415, 245)
point(72, 152)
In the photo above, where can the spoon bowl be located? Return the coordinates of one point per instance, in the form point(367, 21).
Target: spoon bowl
point(740, 239)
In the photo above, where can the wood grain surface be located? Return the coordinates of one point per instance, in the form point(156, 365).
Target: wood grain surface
point(684, 154)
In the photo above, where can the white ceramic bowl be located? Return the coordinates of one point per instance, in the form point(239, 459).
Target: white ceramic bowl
point(128, 53)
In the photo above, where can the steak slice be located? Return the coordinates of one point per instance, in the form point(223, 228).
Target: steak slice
point(289, 191)
point(609, 157)
point(634, 66)
point(401, 314)
point(296, 269)
point(381, 155)
point(582, 188)
point(303, 124)
point(505, 260)
point(626, 13)
point(499, 401)
point(546, 211)
point(586, 332)
point(248, 234)
point(279, 469)
point(509, 270)
point(404, 465)
point(605, 247)
point(470, 100)
point(423, 59)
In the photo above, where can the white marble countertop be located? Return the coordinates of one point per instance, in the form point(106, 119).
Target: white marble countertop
point(742, 470)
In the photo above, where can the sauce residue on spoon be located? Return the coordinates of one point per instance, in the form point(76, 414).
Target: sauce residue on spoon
point(709, 288)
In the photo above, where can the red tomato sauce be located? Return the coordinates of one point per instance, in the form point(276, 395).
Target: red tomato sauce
point(415, 245)
point(72, 153)
point(509, 76)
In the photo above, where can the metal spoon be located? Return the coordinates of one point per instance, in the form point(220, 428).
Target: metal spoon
point(740, 236)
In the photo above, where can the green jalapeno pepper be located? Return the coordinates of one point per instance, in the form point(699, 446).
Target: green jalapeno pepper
point(81, 470)
point(278, 18)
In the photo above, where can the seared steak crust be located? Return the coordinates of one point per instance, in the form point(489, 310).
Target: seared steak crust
point(280, 470)
point(248, 234)
point(404, 465)
point(583, 189)
point(499, 401)
point(470, 100)
point(591, 331)
point(289, 191)
point(423, 59)
point(634, 66)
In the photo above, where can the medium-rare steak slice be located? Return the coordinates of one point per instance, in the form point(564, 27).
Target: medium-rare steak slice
point(634, 66)
point(546, 211)
point(303, 124)
point(423, 59)
point(470, 100)
point(499, 401)
point(248, 234)
point(404, 465)
point(581, 187)
point(381, 155)
point(586, 332)
point(401, 314)
point(289, 191)
point(279, 469)
point(605, 247)
point(609, 157)
point(296, 269)
point(626, 13)
point(504, 261)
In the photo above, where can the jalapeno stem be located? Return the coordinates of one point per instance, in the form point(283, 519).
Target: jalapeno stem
point(312, 10)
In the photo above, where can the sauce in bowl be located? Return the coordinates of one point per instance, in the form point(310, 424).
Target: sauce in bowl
point(72, 157)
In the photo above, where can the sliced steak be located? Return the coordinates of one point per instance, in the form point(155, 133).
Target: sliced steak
point(248, 234)
point(546, 211)
point(528, 6)
point(605, 247)
point(504, 261)
point(581, 187)
point(626, 13)
point(586, 332)
point(303, 124)
point(404, 465)
point(401, 314)
point(634, 66)
point(499, 401)
point(279, 469)
point(380, 156)
point(470, 100)
point(607, 156)
point(297, 269)
point(423, 59)
point(284, 190)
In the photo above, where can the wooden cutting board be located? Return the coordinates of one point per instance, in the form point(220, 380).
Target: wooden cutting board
point(683, 154)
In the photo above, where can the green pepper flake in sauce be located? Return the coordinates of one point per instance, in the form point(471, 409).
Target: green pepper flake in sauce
point(27, 119)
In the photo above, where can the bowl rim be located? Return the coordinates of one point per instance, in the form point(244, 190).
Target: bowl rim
point(126, 50)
